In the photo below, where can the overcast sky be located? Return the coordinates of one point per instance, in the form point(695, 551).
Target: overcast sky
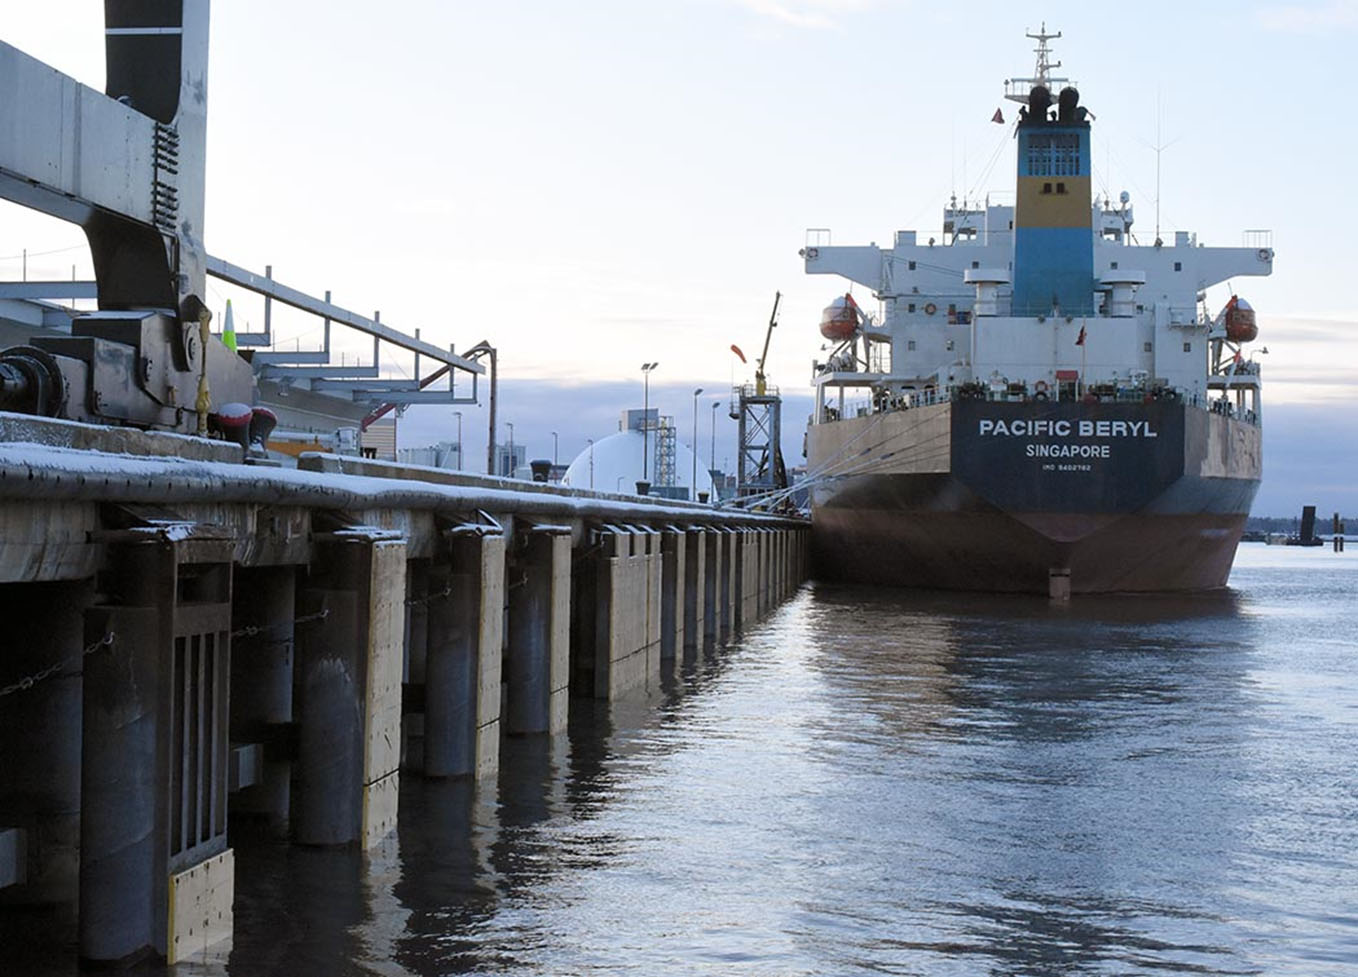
point(597, 184)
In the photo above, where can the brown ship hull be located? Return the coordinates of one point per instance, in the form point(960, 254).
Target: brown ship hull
point(929, 503)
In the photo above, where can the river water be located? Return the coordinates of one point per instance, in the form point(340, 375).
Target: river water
point(880, 782)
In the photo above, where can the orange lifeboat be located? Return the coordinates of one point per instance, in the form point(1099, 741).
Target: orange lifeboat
point(839, 321)
point(1240, 324)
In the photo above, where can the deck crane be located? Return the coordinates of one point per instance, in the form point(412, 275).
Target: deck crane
point(759, 384)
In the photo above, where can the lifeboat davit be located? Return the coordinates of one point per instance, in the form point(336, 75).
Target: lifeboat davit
point(839, 321)
point(1240, 324)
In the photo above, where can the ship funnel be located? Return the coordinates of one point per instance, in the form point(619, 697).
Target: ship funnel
point(1039, 100)
point(1067, 102)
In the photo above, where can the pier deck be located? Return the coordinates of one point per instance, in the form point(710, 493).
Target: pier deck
point(193, 640)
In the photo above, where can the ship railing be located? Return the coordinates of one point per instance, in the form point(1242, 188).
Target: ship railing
point(886, 404)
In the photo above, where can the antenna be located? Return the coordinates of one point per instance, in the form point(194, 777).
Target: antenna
point(1042, 74)
point(1159, 148)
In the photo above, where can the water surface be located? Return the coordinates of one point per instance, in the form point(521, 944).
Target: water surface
point(881, 782)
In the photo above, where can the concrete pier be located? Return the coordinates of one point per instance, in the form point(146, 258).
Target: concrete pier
point(726, 610)
point(348, 690)
point(673, 550)
point(197, 641)
point(714, 587)
point(463, 663)
point(40, 776)
point(695, 589)
point(262, 659)
point(628, 618)
point(537, 666)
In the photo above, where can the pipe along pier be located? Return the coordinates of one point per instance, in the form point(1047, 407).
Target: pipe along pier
point(192, 640)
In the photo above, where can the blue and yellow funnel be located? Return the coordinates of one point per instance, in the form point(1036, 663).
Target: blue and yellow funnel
point(1053, 226)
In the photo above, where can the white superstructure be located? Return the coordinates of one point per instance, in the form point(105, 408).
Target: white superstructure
point(946, 319)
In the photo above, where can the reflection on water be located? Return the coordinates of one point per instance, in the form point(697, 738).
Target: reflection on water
point(882, 782)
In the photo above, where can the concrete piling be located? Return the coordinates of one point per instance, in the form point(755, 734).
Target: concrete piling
point(155, 872)
point(537, 667)
point(628, 622)
point(463, 663)
point(726, 610)
point(348, 690)
point(711, 589)
point(262, 658)
point(40, 775)
point(673, 551)
point(695, 589)
point(749, 576)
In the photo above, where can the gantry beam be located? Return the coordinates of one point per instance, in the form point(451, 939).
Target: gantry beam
point(67, 150)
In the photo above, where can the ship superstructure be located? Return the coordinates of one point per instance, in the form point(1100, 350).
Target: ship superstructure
point(1035, 334)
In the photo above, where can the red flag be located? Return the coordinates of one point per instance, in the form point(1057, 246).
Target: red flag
point(998, 117)
point(1081, 340)
point(736, 349)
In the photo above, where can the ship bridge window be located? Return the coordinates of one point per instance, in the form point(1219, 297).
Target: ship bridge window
point(1178, 266)
point(975, 264)
point(1053, 154)
point(1188, 347)
point(910, 307)
point(1146, 347)
point(911, 266)
point(1112, 264)
point(910, 344)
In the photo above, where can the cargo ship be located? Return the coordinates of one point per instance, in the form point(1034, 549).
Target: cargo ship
point(1040, 401)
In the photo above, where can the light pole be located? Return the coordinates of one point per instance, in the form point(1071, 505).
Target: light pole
point(510, 425)
point(712, 461)
point(591, 461)
point(693, 484)
point(555, 445)
point(458, 415)
point(646, 369)
point(483, 348)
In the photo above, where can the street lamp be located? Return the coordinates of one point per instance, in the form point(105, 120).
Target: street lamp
point(712, 461)
point(510, 425)
point(646, 369)
point(555, 444)
point(458, 415)
point(693, 484)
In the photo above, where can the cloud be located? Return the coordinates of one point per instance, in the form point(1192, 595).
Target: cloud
point(1314, 18)
point(808, 14)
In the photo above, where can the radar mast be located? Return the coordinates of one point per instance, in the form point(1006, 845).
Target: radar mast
point(1017, 89)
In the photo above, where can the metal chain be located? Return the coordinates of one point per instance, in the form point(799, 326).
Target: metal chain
point(250, 630)
point(416, 601)
point(29, 681)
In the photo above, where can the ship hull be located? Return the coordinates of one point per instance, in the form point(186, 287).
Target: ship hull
point(940, 500)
